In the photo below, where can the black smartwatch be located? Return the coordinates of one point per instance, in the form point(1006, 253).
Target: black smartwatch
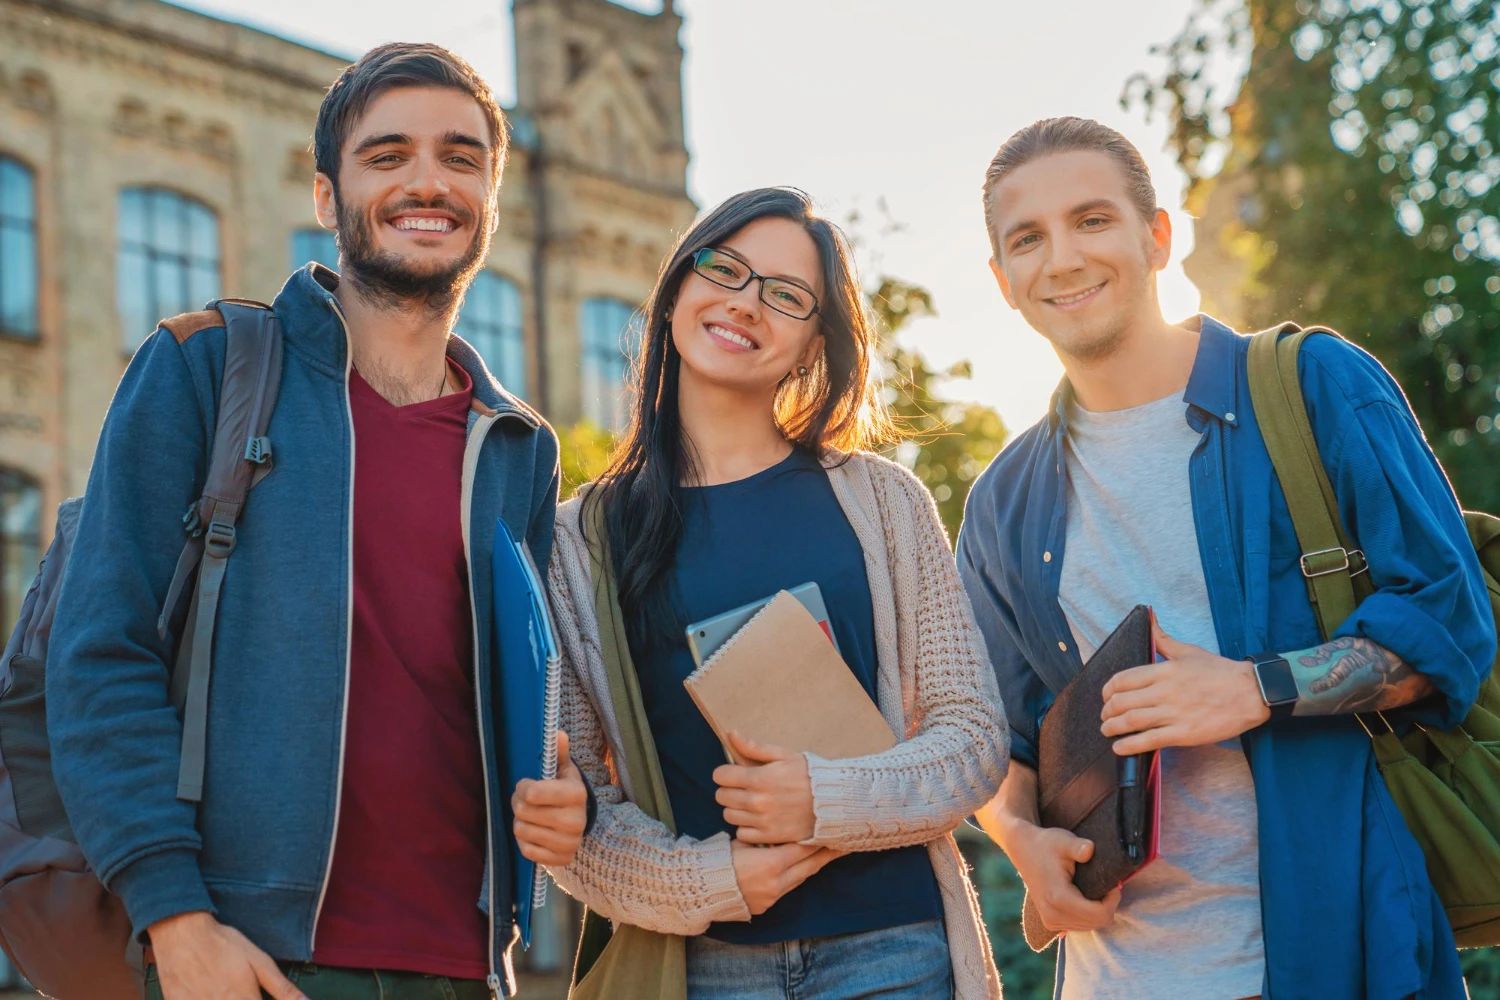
point(1278, 688)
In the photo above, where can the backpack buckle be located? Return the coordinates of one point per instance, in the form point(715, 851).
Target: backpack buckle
point(258, 450)
point(219, 539)
point(1314, 565)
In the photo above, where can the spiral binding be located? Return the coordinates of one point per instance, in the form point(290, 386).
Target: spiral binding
point(697, 675)
point(551, 710)
point(551, 696)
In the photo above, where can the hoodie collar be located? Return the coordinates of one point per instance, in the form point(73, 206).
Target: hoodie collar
point(312, 323)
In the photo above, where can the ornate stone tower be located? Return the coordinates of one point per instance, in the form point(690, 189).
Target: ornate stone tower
point(598, 120)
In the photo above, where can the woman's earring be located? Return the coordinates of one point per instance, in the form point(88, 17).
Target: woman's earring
point(802, 371)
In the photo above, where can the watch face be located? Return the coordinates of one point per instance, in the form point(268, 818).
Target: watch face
point(1276, 681)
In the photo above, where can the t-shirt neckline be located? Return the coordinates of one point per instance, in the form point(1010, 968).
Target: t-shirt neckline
point(459, 399)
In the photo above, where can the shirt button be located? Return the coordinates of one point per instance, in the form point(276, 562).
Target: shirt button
point(1062, 646)
point(1046, 557)
point(1229, 417)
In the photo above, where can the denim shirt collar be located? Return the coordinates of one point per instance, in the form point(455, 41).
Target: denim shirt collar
point(1213, 387)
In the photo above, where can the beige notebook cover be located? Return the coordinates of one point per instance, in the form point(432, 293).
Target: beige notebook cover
point(779, 681)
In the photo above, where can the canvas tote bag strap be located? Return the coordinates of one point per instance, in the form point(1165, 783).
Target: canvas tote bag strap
point(625, 962)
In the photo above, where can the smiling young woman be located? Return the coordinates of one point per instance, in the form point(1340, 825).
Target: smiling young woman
point(743, 475)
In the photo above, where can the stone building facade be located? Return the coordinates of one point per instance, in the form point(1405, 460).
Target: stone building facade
point(152, 157)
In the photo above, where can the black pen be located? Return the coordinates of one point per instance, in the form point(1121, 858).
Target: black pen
point(1131, 808)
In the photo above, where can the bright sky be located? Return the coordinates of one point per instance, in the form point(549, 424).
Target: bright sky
point(857, 101)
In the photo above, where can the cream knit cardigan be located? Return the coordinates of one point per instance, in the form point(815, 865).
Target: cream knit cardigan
point(935, 687)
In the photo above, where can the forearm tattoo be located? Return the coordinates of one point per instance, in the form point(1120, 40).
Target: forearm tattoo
point(1353, 675)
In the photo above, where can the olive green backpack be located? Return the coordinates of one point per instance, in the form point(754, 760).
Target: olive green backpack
point(1446, 782)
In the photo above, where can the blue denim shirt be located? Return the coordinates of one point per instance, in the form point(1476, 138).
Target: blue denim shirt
point(1347, 908)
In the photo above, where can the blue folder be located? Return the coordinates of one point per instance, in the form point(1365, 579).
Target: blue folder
point(529, 691)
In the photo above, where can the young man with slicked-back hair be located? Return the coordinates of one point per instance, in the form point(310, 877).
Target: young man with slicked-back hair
point(351, 840)
point(1285, 870)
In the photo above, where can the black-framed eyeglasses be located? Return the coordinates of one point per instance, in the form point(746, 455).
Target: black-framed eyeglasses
point(728, 271)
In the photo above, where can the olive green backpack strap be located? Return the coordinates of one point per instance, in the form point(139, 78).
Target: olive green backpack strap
point(1444, 782)
point(624, 962)
point(1333, 568)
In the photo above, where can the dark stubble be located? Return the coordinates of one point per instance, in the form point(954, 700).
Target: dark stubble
point(387, 280)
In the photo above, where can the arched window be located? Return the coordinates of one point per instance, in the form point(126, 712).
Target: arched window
point(168, 261)
point(20, 541)
point(18, 270)
point(314, 243)
point(491, 322)
point(610, 338)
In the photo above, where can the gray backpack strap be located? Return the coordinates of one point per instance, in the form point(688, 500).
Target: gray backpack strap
point(240, 458)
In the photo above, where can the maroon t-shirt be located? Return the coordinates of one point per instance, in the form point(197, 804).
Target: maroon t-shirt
point(408, 861)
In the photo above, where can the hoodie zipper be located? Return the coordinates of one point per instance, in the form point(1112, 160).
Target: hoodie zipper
point(338, 792)
point(471, 462)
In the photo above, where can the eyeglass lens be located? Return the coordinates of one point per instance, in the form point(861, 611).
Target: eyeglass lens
point(785, 297)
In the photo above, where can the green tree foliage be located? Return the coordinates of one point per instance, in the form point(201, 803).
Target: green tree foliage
point(1363, 145)
point(946, 443)
point(583, 452)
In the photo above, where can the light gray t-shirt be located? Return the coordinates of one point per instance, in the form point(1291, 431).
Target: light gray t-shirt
point(1188, 924)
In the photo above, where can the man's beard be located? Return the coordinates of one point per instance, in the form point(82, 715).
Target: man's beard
point(386, 279)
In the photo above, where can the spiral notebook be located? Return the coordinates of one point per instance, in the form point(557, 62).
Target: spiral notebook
point(530, 693)
point(780, 681)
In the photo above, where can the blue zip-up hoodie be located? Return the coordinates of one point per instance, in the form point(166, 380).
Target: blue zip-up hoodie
point(257, 849)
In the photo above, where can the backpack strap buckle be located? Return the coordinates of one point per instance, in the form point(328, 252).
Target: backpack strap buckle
point(1325, 562)
point(219, 539)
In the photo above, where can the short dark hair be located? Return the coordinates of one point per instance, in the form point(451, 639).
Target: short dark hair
point(1068, 135)
point(386, 67)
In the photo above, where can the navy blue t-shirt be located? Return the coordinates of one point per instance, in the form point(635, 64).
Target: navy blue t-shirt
point(744, 541)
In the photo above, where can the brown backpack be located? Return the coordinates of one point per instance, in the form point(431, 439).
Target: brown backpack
point(65, 932)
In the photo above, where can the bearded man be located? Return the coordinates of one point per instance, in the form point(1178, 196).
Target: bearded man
point(351, 838)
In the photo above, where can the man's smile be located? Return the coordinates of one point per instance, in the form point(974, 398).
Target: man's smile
point(424, 222)
point(1074, 299)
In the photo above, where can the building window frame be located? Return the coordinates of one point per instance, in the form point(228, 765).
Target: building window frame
point(492, 323)
point(168, 258)
point(20, 256)
point(609, 333)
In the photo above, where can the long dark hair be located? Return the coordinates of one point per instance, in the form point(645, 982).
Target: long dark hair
point(834, 409)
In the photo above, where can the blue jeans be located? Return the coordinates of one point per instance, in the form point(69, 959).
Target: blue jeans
point(898, 963)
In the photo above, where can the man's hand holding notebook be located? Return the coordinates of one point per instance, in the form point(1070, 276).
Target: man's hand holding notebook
point(1083, 786)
